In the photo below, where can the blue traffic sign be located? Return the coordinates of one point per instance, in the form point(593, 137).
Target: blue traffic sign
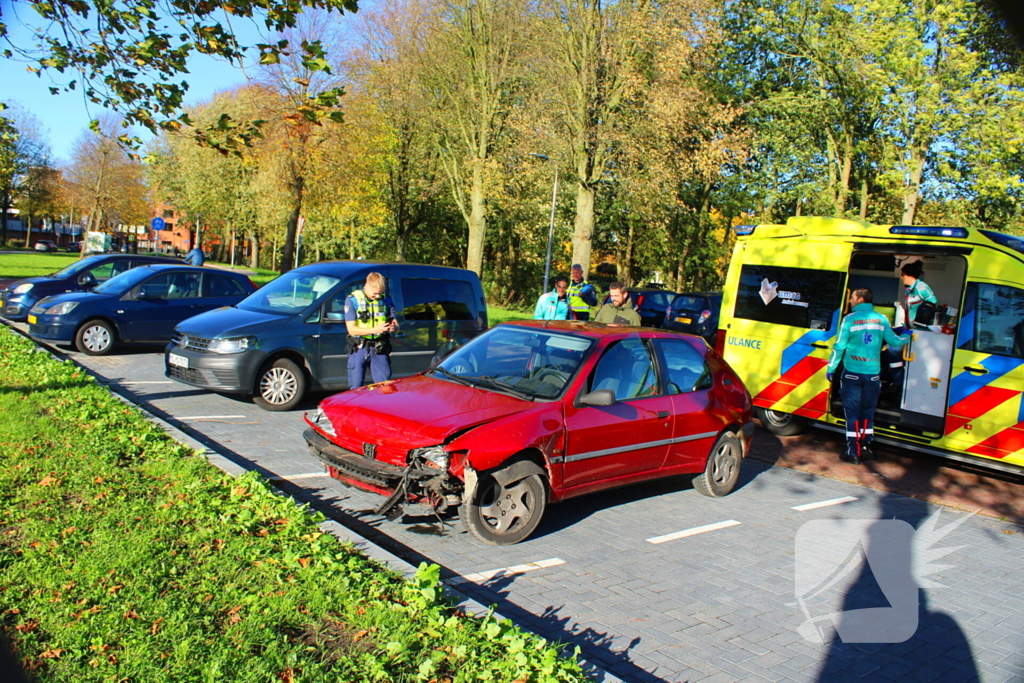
point(158, 223)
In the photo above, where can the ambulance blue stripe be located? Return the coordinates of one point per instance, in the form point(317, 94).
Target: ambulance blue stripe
point(965, 384)
point(966, 334)
point(802, 348)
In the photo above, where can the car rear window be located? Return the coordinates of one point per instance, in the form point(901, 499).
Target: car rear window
point(691, 304)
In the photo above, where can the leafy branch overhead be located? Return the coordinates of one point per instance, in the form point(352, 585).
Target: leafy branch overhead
point(131, 56)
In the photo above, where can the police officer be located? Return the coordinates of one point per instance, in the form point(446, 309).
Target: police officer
point(370, 320)
point(581, 294)
point(859, 347)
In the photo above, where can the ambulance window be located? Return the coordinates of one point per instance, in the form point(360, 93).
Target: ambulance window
point(993, 320)
point(798, 297)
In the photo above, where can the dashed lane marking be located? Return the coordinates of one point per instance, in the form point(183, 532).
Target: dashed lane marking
point(292, 477)
point(693, 532)
point(504, 571)
point(824, 503)
point(131, 381)
point(212, 417)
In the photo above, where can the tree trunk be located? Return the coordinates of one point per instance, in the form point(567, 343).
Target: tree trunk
point(583, 235)
point(864, 199)
point(843, 190)
point(913, 189)
point(477, 221)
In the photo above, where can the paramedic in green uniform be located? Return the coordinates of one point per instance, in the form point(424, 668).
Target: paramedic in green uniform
point(859, 347)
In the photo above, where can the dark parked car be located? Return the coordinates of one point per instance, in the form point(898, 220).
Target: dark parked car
point(73, 247)
point(290, 336)
point(650, 304)
point(141, 305)
point(695, 313)
point(82, 275)
point(533, 412)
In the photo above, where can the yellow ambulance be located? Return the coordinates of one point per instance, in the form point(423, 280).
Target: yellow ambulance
point(960, 395)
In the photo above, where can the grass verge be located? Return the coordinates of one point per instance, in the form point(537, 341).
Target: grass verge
point(33, 264)
point(125, 557)
point(497, 315)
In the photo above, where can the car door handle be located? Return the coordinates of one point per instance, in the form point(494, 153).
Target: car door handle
point(662, 414)
point(976, 369)
point(819, 345)
point(398, 335)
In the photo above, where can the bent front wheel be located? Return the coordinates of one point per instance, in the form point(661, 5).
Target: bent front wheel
point(503, 515)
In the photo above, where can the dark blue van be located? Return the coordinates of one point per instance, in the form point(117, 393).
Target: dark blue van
point(289, 337)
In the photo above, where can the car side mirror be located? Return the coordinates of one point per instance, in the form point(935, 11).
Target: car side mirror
point(87, 279)
point(142, 294)
point(600, 398)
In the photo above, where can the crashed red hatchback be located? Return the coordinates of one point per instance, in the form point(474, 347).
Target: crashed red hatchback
point(534, 412)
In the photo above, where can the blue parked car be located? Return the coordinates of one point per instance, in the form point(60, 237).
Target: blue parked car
point(80, 276)
point(141, 305)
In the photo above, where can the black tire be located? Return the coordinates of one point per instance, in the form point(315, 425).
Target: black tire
point(500, 515)
point(280, 386)
point(781, 424)
point(723, 469)
point(95, 338)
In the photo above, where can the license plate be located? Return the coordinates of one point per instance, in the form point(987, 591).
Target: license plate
point(32, 320)
point(685, 321)
point(175, 359)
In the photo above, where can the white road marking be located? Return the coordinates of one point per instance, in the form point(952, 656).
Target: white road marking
point(130, 381)
point(824, 503)
point(505, 571)
point(212, 417)
point(291, 477)
point(694, 531)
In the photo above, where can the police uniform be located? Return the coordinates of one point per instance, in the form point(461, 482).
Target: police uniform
point(373, 350)
point(859, 347)
point(579, 294)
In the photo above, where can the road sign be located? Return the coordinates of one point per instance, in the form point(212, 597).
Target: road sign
point(302, 224)
point(158, 224)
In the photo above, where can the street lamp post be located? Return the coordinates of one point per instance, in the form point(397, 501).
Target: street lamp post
point(551, 227)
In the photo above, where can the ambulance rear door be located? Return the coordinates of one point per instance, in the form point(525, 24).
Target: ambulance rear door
point(786, 315)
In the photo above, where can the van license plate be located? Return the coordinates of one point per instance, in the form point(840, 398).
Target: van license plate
point(32, 320)
point(175, 359)
point(685, 321)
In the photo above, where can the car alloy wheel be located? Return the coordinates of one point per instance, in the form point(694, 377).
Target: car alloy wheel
point(95, 338)
point(281, 386)
point(503, 515)
point(723, 469)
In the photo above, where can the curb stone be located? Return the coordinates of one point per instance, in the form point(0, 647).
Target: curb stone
point(464, 603)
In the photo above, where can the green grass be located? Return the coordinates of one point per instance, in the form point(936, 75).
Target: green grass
point(497, 315)
point(34, 264)
point(126, 557)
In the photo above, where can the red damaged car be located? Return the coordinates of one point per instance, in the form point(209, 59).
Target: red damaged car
point(535, 412)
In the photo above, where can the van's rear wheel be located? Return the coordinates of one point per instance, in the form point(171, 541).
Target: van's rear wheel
point(781, 424)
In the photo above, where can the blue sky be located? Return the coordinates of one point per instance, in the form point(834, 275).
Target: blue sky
point(65, 116)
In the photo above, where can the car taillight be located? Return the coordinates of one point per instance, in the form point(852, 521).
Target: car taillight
point(639, 300)
point(704, 315)
point(254, 286)
point(720, 342)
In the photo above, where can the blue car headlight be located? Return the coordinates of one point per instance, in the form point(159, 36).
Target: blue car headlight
point(61, 308)
point(232, 345)
point(23, 289)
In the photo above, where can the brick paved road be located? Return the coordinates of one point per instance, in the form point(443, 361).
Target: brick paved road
point(713, 606)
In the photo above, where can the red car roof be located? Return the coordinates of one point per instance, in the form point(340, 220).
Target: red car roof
point(591, 329)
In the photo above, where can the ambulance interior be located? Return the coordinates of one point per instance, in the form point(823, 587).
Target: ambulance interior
point(918, 402)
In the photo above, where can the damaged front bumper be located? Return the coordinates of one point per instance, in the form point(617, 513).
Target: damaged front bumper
point(414, 483)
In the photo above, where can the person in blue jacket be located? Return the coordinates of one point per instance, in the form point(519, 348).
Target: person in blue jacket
point(195, 257)
point(555, 305)
point(859, 348)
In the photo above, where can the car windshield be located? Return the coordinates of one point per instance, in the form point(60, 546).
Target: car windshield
point(529, 362)
point(289, 294)
point(119, 284)
point(76, 267)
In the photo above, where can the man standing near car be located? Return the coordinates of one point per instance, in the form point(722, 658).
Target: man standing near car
point(554, 305)
point(370, 319)
point(859, 347)
point(581, 294)
point(618, 311)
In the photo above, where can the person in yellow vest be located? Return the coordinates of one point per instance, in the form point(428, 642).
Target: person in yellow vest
point(370, 320)
point(581, 294)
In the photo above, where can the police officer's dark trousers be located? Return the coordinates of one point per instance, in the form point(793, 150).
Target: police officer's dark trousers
point(360, 359)
point(859, 393)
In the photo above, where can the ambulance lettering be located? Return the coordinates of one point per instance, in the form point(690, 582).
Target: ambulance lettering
point(748, 343)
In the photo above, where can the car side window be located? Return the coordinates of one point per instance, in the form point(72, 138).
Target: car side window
point(427, 299)
point(684, 366)
point(627, 370)
point(220, 285)
point(993, 320)
point(159, 287)
point(104, 272)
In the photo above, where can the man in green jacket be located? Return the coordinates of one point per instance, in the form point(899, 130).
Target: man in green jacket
point(618, 311)
point(859, 347)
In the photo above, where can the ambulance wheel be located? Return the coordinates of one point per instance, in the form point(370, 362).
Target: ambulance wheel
point(781, 424)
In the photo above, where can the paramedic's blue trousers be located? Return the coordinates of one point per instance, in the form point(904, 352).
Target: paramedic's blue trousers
point(859, 393)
